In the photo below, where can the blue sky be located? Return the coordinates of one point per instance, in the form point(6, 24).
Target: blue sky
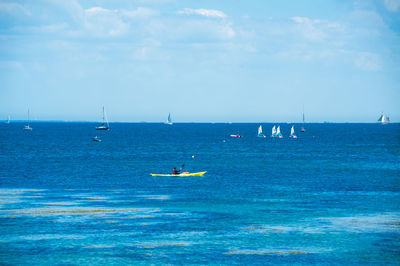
point(239, 61)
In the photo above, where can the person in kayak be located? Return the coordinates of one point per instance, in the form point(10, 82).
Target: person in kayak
point(175, 171)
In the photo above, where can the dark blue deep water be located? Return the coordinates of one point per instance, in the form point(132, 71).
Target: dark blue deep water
point(332, 196)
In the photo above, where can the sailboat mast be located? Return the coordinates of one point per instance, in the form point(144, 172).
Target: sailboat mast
point(105, 115)
point(29, 120)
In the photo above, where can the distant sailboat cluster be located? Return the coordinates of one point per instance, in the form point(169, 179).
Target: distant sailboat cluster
point(276, 132)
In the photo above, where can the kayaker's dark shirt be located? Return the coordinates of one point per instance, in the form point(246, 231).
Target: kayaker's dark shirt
point(175, 172)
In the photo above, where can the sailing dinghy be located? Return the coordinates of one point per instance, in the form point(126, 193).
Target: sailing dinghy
point(169, 121)
point(292, 135)
point(260, 133)
point(278, 132)
point(383, 119)
point(273, 134)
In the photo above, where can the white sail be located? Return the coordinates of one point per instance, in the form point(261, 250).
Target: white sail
point(278, 130)
point(292, 131)
point(169, 121)
point(273, 131)
point(8, 121)
point(260, 130)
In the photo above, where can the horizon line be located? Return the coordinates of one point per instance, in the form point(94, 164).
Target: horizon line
point(192, 122)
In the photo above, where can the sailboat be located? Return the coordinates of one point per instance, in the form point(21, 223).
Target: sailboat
point(260, 134)
point(383, 119)
point(278, 132)
point(302, 128)
point(8, 121)
point(169, 121)
point(27, 127)
point(292, 135)
point(273, 134)
point(105, 121)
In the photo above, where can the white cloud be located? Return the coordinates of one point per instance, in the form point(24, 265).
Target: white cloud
point(203, 12)
point(311, 29)
point(103, 22)
point(44, 29)
point(140, 12)
point(367, 18)
point(368, 61)
point(14, 8)
point(392, 5)
point(204, 29)
point(71, 7)
point(98, 11)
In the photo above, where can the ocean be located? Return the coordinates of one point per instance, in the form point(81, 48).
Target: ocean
point(331, 196)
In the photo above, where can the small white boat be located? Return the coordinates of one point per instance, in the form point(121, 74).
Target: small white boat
point(27, 127)
point(8, 121)
point(260, 133)
point(96, 139)
point(278, 132)
point(236, 136)
point(273, 134)
point(169, 121)
point(383, 119)
point(292, 135)
point(104, 125)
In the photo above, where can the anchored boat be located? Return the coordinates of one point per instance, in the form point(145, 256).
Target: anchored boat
point(96, 139)
point(104, 125)
point(27, 127)
point(302, 128)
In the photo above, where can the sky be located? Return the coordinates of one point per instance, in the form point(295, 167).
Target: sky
point(200, 60)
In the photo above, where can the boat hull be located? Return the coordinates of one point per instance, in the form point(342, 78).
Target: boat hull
point(183, 174)
point(102, 128)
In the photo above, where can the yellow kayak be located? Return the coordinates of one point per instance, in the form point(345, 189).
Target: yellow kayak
point(182, 174)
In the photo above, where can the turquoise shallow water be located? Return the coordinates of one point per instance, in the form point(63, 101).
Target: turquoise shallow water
point(332, 196)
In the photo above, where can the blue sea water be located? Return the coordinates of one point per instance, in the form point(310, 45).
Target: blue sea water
point(332, 196)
